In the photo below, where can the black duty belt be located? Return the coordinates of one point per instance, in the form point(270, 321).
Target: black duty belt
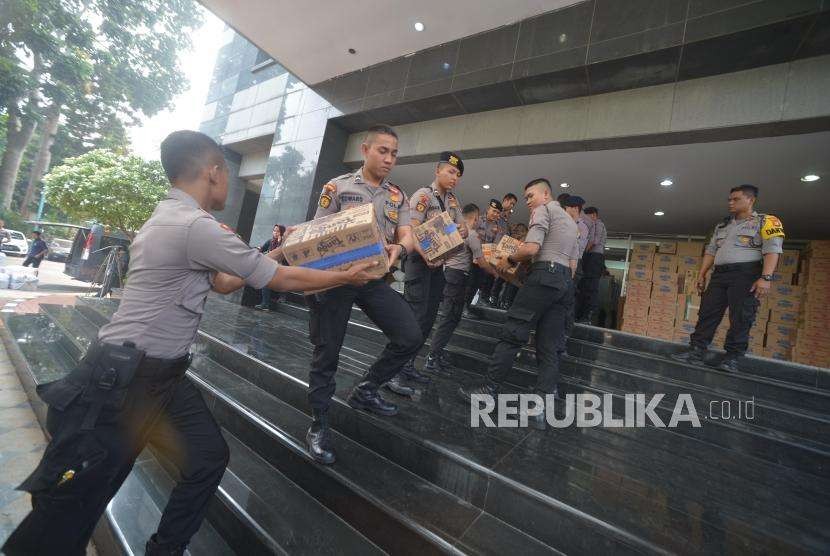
point(550, 266)
point(752, 265)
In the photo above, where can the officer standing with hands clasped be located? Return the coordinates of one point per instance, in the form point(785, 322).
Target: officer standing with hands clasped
point(385, 307)
point(424, 283)
point(543, 301)
point(130, 389)
point(744, 250)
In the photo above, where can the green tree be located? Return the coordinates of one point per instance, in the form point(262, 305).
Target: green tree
point(117, 190)
point(54, 60)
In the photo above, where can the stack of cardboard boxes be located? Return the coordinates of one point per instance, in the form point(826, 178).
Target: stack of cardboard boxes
point(812, 343)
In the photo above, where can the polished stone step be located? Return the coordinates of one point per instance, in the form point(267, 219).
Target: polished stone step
point(794, 445)
point(399, 511)
point(261, 349)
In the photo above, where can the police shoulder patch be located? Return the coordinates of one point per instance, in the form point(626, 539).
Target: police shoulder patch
point(772, 227)
point(325, 200)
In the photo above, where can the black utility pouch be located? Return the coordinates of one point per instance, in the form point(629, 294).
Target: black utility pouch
point(112, 373)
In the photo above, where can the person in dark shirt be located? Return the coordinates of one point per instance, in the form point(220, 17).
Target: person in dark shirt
point(37, 251)
point(268, 246)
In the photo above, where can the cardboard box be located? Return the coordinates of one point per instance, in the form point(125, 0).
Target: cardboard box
point(781, 330)
point(667, 247)
point(488, 250)
point(819, 249)
point(642, 258)
point(634, 329)
point(635, 308)
point(817, 278)
point(782, 278)
point(689, 248)
point(689, 285)
point(639, 266)
point(684, 326)
point(818, 265)
point(638, 289)
point(665, 263)
point(688, 262)
point(640, 275)
point(788, 262)
point(784, 317)
point(777, 353)
point(504, 248)
point(662, 312)
point(337, 241)
point(665, 278)
point(681, 338)
point(644, 248)
point(784, 304)
point(665, 291)
point(779, 290)
point(660, 333)
point(439, 236)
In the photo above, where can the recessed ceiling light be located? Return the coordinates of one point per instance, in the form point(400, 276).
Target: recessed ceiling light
point(485, 186)
point(666, 182)
point(352, 51)
point(659, 213)
point(563, 185)
point(419, 26)
point(811, 177)
point(446, 65)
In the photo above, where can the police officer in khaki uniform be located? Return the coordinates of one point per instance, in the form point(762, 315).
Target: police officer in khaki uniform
point(744, 250)
point(543, 301)
point(424, 284)
point(330, 310)
point(130, 389)
point(489, 230)
point(593, 267)
point(457, 278)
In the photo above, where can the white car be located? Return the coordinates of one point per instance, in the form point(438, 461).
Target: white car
point(17, 245)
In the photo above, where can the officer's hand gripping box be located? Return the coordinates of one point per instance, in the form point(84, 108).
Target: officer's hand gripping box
point(504, 248)
point(438, 237)
point(336, 241)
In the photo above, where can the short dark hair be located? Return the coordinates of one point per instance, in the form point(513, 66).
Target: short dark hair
point(36, 232)
point(184, 152)
point(379, 129)
point(534, 181)
point(562, 198)
point(591, 210)
point(747, 189)
point(510, 196)
point(470, 208)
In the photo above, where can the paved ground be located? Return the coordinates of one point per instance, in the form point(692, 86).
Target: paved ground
point(21, 438)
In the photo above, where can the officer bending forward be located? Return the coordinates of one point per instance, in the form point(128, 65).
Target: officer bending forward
point(130, 388)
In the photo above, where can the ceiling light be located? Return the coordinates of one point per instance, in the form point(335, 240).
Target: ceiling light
point(485, 186)
point(352, 51)
point(811, 177)
point(659, 213)
point(446, 65)
point(563, 185)
point(419, 26)
point(666, 182)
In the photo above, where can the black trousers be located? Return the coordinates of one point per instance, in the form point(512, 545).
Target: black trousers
point(510, 291)
point(455, 293)
point(479, 281)
point(543, 303)
point(593, 265)
point(729, 287)
point(166, 412)
point(423, 289)
point(575, 306)
point(498, 287)
point(327, 324)
point(34, 261)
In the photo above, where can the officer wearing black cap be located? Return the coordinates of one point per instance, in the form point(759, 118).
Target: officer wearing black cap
point(544, 299)
point(130, 387)
point(424, 282)
point(744, 250)
point(490, 230)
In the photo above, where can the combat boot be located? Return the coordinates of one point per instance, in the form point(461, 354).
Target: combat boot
point(692, 356)
point(154, 548)
point(318, 438)
point(397, 386)
point(365, 396)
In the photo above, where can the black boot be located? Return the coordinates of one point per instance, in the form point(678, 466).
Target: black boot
point(729, 363)
point(409, 372)
point(318, 438)
point(467, 392)
point(154, 548)
point(397, 386)
point(438, 365)
point(366, 396)
point(692, 356)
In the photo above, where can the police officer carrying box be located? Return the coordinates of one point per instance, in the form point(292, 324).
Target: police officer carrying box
point(330, 310)
point(744, 250)
point(543, 301)
point(424, 284)
point(130, 389)
point(456, 278)
point(490, 230)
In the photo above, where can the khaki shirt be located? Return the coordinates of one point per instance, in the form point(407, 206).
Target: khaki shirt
point(351, 190)
point(173, 259)
point(746, 241)
point(584, 230)
point(555, 232)
point(489, 232)
point(597, 234)
point(463, 260)
point(424, 204)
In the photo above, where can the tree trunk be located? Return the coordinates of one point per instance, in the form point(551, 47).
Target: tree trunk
point(19, 131)
point(44, 157)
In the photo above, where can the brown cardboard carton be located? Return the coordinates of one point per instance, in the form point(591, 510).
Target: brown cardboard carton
point(666, 291)
point(781, 330)
point(640, 275)
point(665, 278)
point(777, 353)
point(642, 258)
point(784, 317)
point(781, 278)
point(640, 330)
point(819, 249)
point(438, 236)
point(688, 263)
point(639, 289)
point(635, 308)
point(336, 241)
point(639, 266)
point(779, 291)
point(788, 262)
point(668, 247)
point(689, 248)
point(784, 304)
point(684, 326)
point(665, 263)
point(689, 285)
point(644, 248)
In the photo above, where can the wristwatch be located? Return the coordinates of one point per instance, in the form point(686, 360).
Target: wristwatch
point(403, 250)
point(767, 277)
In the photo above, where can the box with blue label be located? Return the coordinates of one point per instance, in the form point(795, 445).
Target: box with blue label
point(438, 237)
point(336, 241)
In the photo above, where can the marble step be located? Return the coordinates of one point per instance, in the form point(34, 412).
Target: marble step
point(397, 510)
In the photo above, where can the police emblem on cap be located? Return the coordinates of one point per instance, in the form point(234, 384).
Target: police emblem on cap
point(452, 159)
point(494, 203)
